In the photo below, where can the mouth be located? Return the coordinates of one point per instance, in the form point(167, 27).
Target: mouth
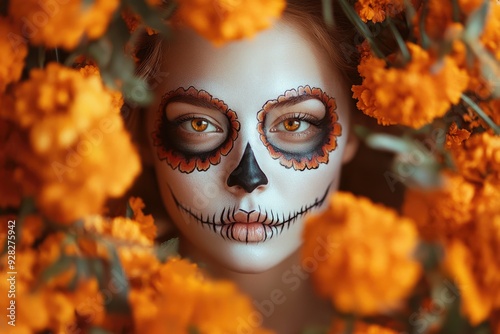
point(262, 225)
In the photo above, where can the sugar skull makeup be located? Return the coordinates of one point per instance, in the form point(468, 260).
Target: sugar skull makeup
point(246, 143)
point(300, 139)
point(188, 140)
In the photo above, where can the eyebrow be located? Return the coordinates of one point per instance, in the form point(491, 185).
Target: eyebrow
point(192, 100)
point(293, 100)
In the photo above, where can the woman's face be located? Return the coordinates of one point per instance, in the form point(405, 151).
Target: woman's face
point(248, 139)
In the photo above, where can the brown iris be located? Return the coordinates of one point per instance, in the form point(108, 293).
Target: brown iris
point(199, 124)
point(291, 125)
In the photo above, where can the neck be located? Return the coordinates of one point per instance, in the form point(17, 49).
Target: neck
point(283, 295)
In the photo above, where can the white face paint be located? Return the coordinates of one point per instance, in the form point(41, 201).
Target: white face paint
point(248, 138)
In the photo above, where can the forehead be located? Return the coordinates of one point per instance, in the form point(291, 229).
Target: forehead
point(245, 74)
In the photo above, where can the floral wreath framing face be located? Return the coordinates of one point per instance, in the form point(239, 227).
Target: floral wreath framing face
point(176, 137)
point(314, 137)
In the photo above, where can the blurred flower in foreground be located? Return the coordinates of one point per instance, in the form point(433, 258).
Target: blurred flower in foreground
point(339, 327)
point(371, 269)
point(178, 297)
point(12, 53)
point(64, 23)
point(464, 216)
point(224, 20)
point(377, 10)
point(68, 143)
point(412, 95)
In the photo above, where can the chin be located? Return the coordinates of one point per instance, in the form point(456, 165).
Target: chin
point(216, 254)
point(253, 258)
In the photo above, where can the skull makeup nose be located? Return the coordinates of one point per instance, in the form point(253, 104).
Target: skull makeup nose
point(247, 174)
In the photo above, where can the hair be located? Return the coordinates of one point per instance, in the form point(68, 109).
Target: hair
point(337, 41)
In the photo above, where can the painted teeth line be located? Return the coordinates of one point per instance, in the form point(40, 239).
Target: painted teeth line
point(227, 218)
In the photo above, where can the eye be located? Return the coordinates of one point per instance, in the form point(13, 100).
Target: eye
point(198, 124)
point(294, 124)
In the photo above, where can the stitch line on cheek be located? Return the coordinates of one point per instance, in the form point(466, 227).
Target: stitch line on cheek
point(165, 142)
point(320, 153)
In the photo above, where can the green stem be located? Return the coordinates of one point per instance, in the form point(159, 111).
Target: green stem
point(480, 112)
point(401, 43)
point(361, 26)
point(455, 11)
point(426, 42)
point(328, 12)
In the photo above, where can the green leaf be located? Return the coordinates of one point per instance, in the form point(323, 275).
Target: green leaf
point(61, 265)
point(116, 278)
point(167, 249)
point(476, 22)
point(129, 213)
point(481, 114)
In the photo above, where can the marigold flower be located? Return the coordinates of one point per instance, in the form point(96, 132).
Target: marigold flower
point(62, 23)
point(439, 15)
point(456, 136)
point(359, 328)
point(371, 268)
point(478, 159)
point(473, 262)
point(376, 10)
point(147, 225)
point(13, 50)
point(441, 212)
point(224, 20)
point(179, 297)
point(72, 149)
point(413, 95)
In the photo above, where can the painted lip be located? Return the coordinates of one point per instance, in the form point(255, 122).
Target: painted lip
point(249, 226)
point(248, 232)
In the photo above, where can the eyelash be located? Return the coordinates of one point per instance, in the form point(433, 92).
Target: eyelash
point(301, 117)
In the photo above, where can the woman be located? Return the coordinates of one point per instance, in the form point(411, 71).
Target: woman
point(247, 139)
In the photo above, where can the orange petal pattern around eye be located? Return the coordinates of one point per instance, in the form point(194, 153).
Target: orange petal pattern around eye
point(321, 155)
point(201, 162)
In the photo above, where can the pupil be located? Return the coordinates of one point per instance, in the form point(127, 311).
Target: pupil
point(199, 124)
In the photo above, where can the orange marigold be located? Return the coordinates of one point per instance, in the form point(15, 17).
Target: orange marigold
point(371, 268)
point(439, 15)
point(71, 149)
point(441, 212)
point(179, 297)
point(225, 20)
point(147, 223)
point(62, 23)
point(338, 327)
point(413, 95)
point(12, 52)
point(377, 10)
point(478, 158)
point(456, 136)
point(474, 264)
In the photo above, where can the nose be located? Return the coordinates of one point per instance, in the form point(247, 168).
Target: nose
point(247, 174)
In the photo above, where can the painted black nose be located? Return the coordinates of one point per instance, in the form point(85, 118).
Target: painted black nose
point(247, 174)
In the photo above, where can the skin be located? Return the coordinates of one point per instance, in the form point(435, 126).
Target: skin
point(245, 75)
